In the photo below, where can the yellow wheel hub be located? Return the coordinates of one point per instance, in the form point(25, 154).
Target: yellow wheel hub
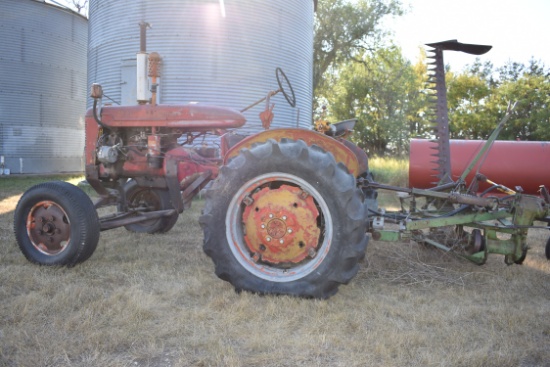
point(281, 225)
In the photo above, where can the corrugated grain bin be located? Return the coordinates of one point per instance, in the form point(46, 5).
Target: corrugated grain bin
point(42, 87)
point(214, 52)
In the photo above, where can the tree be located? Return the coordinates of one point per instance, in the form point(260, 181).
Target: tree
point(383, 92)
point(479, 96)
point(345, 30)
point(531, 117)
point(81, 6)
point(467, 98)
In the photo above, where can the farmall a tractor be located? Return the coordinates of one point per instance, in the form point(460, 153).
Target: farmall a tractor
point(283, 212)
point(286, 211)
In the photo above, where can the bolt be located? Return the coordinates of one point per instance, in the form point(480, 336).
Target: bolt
point(268, 238)
point(270, 215)
point(304, 194)
point(256, 257)
point(263, 226)
point(284, 217)
point(311, 253)
point(281, 241)
point(290, 230)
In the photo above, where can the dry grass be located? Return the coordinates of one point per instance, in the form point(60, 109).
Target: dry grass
point(145, 300)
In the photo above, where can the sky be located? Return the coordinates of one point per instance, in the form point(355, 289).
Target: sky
point(517, 30)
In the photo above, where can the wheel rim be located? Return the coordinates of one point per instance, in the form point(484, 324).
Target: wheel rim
point(279, 227)
point(145, 200)
point(48, 228)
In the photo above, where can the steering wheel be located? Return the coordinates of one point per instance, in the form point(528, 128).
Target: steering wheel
point(281, 78)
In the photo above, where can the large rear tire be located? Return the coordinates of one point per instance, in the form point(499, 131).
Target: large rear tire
point(149, 199)
point(55, 223)
point(285, 218)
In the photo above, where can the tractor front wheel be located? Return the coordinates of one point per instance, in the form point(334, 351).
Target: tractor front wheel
point(55, 223)
point(285, 218)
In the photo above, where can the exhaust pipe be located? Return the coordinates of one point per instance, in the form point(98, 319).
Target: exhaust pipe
point(142, 81)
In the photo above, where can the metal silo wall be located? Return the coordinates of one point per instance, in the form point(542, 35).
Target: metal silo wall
point(227, 61)
point(42, 87)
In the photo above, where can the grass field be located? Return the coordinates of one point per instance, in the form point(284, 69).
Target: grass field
point(153, 300)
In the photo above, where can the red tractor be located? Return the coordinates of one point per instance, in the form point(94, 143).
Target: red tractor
point(283, 214)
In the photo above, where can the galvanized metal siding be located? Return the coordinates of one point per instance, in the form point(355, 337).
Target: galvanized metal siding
point(42, 87)
point(228, 61)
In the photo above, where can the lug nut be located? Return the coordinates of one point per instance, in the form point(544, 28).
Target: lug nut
point(281, 241)
point(290, 230)
point(268, 239)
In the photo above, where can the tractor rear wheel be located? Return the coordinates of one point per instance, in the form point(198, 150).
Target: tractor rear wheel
point(149, 199)
point(285, 218)
point(55, 223)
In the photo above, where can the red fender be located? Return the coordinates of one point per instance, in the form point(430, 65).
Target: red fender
point(355, 161)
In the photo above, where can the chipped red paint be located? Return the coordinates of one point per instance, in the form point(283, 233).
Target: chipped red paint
point(192, 117)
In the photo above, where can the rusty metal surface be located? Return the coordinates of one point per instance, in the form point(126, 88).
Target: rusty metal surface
point(508, 163)
point(362, 157)
point(188, 117)
point(48, 228)
point(341, 153)
point(281, 225)
point(252, 261)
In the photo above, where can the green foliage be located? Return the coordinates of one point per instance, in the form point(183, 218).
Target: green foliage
point(357, 78)
point(466, 96)
point(479, 96)
point(344, 30)
point(384, 93)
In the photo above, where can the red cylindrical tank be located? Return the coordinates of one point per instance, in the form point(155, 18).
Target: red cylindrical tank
point(508, 163)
